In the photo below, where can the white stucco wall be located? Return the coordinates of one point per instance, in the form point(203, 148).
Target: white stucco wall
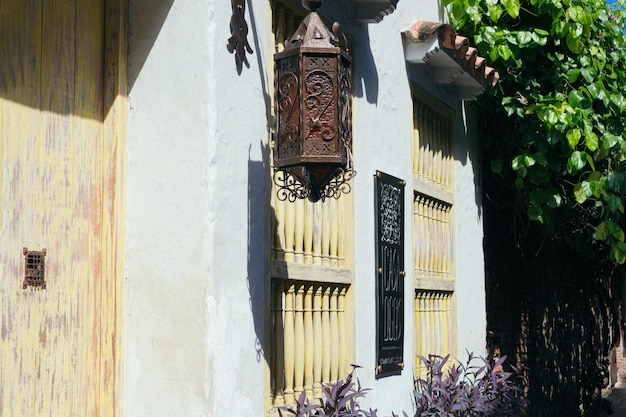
point(382, 136)
point(198, 197)
point(170, 231)
point(240, 202)
point(196, 213)
point(470, 269)
point(383, 125)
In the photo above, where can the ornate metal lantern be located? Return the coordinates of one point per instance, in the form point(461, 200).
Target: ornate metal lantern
point(313, 142)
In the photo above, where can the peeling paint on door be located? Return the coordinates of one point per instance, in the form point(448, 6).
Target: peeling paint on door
point(62, 118)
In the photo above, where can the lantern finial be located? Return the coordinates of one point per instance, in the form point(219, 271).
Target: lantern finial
point(312, 5)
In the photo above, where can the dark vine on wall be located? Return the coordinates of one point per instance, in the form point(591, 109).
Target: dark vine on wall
point(552, 311)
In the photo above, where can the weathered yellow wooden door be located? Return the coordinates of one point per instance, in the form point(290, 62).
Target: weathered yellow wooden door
point(61, 186)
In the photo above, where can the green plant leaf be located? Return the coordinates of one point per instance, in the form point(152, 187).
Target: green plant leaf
point(602, 232)
point(589, 160)
point(620, 252)
point(615, 230)
point(536, 197)
point(576, 162)
point(609, 140)
point(591, 141)
point(594, 176)
point(593, 90)
point(613, 202)
point(574, 43)
point(496, 166)
point(512, 7)
point(541, 159)
point(573, 137)
point(495, 12)
point(529, 161)
point(616, 180)
point(540, 37)
point(559, 27)
point(579, 193)
point(588, 74)
point(576, 14)
point(553, 198)
point(535, 213)
point(575, 97)
point(572, 75)
point(524, 37)
point(618, 102)
point(504, 51)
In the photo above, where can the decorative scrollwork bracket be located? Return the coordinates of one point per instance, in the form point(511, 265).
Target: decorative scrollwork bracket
point(238, 42)
point(289, 185)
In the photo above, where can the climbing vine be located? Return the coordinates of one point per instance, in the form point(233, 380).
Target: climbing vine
point(555, 123)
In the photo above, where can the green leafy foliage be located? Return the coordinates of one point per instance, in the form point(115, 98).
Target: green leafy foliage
point(556, 121)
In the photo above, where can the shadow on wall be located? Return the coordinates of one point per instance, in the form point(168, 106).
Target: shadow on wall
point(471, 147)
point(257, 246)
point(365, 75)
point(364, 72)
point(146, 18)
point(31, 72)
point(43, 66)
point(257, 200)
point(260, 55)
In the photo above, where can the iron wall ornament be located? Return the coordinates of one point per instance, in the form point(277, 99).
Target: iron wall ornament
point(313, 140)
point(34, 268)
point(238, 42)
point(390, 275)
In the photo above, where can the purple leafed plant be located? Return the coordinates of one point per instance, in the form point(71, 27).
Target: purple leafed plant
point(468, 390)
point(340, 400)
point(447, 390)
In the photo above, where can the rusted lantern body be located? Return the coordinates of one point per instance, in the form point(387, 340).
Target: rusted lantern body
point(312, 148)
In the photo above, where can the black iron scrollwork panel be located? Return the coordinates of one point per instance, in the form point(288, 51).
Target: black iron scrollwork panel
point(390, 274)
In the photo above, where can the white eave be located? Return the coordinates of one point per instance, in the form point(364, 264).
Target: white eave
point(451, 59)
